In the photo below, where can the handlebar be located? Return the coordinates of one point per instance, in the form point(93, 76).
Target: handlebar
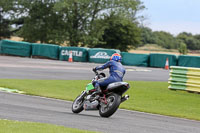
point(95, 71)
point(98, 74)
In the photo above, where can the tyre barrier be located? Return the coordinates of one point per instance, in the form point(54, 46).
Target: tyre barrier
point(184, 78)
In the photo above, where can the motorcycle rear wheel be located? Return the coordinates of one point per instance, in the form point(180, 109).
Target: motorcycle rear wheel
point(106, 110)
point(77, 105)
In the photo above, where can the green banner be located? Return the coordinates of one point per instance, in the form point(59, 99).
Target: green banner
point(132, 59)
point(159, 60)
point(189, 61)
point(0, 47)
point(100, 55)
point(45, 50)
point(79, 54)
point(15, 48)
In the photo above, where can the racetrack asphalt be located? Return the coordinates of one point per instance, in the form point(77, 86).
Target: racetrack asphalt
point(32, 108)
point(29, 68)
point(45, 110)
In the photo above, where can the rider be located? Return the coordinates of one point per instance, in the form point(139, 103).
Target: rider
point(117, 72)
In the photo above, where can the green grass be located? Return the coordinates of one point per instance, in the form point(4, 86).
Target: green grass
point(152, 97)
point(7, 126)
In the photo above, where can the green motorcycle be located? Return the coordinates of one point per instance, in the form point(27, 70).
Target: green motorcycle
point(107, 102)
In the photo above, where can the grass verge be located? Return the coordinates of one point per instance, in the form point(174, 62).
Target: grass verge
point(152, 97)
point(7, 126)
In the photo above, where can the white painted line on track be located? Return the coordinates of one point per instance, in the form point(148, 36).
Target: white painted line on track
point(138, 70)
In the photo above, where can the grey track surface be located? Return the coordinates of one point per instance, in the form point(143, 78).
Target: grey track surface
point(27, 68)
point(37, 109)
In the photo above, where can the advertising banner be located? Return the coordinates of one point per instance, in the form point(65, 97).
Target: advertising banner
point(100, 55)
point(79, 54)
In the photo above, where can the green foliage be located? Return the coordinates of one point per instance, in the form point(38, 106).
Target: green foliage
point(192, 42)
point(42, 23)
point(96, 23)
point(153, 97)
point(120, 33)
point(4, 28)
point(183, 48)
point(82, 17)
point(147, 35)
point(167, 40)
point(5, 8)
point(74, 22)
point(162, 38)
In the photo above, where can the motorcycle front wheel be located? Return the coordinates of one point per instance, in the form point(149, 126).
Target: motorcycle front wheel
point(113, 102)
point(77, 105)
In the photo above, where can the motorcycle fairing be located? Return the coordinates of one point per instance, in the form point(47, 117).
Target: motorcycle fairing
point(89, 87)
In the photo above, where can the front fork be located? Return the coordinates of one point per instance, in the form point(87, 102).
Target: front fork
point(83, 94)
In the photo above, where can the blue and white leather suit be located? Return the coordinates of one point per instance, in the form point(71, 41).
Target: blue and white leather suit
point(117, 72)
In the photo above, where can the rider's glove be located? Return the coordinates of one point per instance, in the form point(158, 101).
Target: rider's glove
point(94, 69)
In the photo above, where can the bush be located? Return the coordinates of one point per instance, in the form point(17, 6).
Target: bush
point(183, 48)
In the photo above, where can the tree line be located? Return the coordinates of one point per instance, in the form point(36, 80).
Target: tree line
point(169, 41)
point(98, 23)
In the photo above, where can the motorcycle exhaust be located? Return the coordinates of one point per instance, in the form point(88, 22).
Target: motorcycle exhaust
point(124, 98)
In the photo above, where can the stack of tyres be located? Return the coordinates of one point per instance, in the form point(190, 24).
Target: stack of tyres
point(184, 78)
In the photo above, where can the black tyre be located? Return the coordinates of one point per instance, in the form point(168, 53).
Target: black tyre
point(77, 105)
point(106, 110)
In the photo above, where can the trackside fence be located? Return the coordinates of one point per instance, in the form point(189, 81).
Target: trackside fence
point(159, 60)
point(96, 55)
point(184, 78)
point(15, 48)
point(189, 61)
point(45, 50)
point(132, 59)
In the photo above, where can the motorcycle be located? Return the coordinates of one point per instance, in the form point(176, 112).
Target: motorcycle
point(107, 102)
